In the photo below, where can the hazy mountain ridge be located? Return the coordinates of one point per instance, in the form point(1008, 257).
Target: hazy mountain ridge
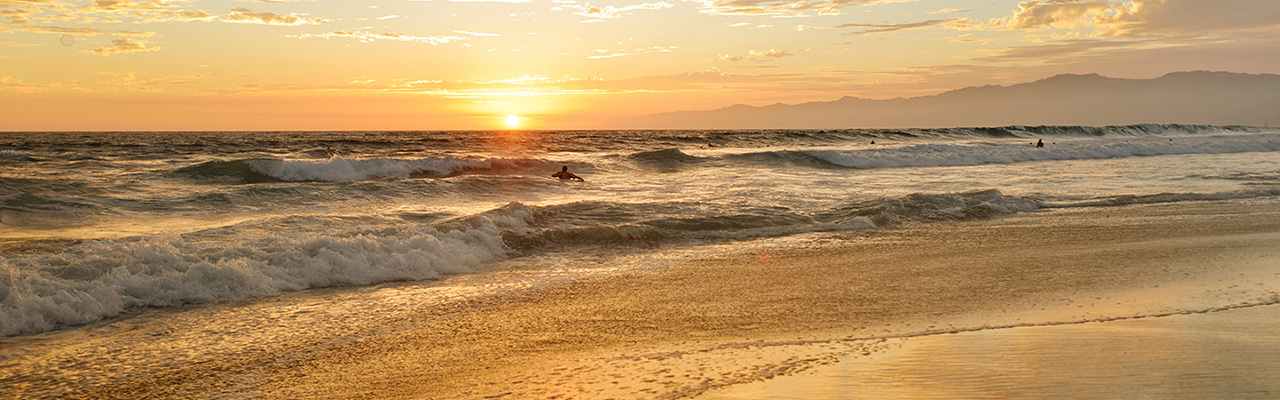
point(1197, 97)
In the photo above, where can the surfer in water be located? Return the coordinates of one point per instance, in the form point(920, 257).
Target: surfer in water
point(1040, 143)
point(565, 174)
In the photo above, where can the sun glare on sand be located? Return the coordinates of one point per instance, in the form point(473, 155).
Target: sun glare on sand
point(513, 121)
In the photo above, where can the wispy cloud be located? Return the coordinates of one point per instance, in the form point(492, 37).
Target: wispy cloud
point(17, 85)
point(605, 12)
point(950, 23)
point(482, 1)
point(124, 5)
point(1066, 50)
point(367, 37)
point(243, 15)
point(754, 55)
point(86, 31)
point(131, 81)
point(606, 53)
point(478, 33)
point(783, 7)
point(121, 46)
point(25, 3)
point(172, 15)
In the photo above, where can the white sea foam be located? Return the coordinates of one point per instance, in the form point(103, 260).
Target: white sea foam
point(343, 169)
point(940, 155)
point(1164, 198)
point(100, 279)
point(13, 154)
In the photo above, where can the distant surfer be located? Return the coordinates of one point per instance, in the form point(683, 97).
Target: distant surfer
point(1039, 142)
point(564, 174)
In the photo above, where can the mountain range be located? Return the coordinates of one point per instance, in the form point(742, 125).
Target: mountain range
point(1198, 97)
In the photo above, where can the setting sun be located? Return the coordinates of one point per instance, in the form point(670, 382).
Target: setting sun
point(513, 121)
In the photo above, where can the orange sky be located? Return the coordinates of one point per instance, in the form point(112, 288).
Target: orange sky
point(439, 64)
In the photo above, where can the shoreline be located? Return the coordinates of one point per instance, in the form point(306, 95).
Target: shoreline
point(680, 330)
point(1220, 353)
point(754, 311)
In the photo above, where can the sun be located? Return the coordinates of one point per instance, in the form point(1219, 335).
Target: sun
point(513, 121)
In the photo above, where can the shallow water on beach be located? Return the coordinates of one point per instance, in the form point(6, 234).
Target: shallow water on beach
point(95, 225)
point(1221, 355)
point(124, 254)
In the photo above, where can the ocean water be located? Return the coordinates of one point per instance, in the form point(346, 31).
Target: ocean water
point(95, 225)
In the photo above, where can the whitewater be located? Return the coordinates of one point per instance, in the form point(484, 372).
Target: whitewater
point(94, 226)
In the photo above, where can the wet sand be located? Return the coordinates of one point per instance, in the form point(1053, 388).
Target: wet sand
point(752, 311)
point(1229, 354)
point(736, 318)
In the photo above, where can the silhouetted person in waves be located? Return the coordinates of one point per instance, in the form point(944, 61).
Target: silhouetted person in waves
point(565, 174)
point(1039, 142)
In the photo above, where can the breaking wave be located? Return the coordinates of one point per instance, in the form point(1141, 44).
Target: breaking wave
point(347, 169)
point(100, 279)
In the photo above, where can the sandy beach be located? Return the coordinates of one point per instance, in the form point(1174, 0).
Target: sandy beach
point(1214, 355)
point(710, 324)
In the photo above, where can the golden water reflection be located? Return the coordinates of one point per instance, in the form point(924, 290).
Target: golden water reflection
point(1231, 354)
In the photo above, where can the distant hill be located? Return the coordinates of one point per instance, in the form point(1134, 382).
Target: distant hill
point(1201, 97)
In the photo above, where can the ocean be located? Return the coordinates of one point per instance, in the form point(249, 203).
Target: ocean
point(98, 225)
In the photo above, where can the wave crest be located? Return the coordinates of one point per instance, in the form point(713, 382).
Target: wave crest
point(348, 169)
point(100, 279)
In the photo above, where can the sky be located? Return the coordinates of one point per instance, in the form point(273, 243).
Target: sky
point(568, 64)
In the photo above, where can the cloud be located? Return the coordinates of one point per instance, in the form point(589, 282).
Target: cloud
point(528, 85)
point(130, 81)
point(1144, 18)
point(117, 81)
point(1100, 29)
point(605, 53)
point(24, 3)
point(368, 37)
point(120, 46)
point(110, 11)
point(951, 23)
point(478, 33)
point(243, 15)
point(18, 11)
point(753, 55)
point(116, 6)
point(382, 18)
point(483, 1)
point(615, 12)
point(1061, 50)
point(80, 31)
point(174, 15)
point(10, 83)
point(1057, 14)
point(947, 11)
point(783, 7)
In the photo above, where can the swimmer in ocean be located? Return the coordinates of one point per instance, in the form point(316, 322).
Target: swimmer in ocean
point(565, 174)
